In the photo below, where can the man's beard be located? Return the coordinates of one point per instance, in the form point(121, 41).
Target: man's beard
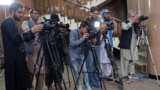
point(16, 18)
point(107, 19)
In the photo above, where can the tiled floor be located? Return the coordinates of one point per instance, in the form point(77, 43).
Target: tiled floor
point(147, 84)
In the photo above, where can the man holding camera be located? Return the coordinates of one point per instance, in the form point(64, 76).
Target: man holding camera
point(111, 26)
point(110, 22)
point(32, 56)
point(76, 53)
point(92, 66)
point(129, 50)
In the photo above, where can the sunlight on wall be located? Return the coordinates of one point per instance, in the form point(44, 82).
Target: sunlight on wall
point(6, 2)
point(149, 5)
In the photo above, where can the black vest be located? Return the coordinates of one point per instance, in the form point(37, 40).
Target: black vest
point(126, 36)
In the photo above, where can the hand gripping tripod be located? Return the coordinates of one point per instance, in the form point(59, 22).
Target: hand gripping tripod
point(89, 45)
point(143, 39)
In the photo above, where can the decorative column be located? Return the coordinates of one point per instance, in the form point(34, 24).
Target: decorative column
point(151, 9)
point(154, 34)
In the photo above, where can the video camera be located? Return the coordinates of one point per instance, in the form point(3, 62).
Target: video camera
point(92, 30)
point(92, 33)
point(142, 18)
point(63, 25)
point(49, 24)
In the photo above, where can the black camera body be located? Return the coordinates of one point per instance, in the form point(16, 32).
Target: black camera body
point(92, 34)
point(48, 26)
point(61, 24)
point(142, 18)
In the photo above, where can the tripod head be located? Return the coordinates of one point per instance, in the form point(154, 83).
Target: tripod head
point(142, 37)
point(143, 31)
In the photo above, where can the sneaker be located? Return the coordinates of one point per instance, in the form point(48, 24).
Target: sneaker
point(79, 87)
point(126, 79)
point(133, 76)
point(88, 88)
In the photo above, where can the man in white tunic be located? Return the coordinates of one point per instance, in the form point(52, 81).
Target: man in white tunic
point(129, 51)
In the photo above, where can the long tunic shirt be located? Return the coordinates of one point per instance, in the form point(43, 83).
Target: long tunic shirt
point(16, 71)
point(103, 53)
point(132, 53)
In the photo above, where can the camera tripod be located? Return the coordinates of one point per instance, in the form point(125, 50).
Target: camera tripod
point(112, 61)
point(52, 61)
point(66, 57)
point(89, 45)
point(143, 39)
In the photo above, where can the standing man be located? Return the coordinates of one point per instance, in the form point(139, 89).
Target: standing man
point(32, 56)
point(111, 26)
point(92, 19)
point(76, 53)
point(16, 71)
point(129, 51)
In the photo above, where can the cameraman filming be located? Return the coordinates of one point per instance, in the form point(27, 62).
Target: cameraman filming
point(92, 20)
point(128, 47)
point(32, 56)
point(77, 39)
point(111, 24)
point(107, 34)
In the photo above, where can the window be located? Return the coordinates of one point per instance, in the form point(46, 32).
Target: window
point(6, 2)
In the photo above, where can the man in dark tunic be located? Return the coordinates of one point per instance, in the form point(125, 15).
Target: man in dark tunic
point(16, 71)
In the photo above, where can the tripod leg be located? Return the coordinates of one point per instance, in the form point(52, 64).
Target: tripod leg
point(35, 66)
point(138, 41)
point(65, 47)
point(38, 74)
point(98, 69)
point(153, 63)
point(68, 76)
point(80, 71)
point(146, 69)
point(52, 57)
point(2, 73)
point(73, 76)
